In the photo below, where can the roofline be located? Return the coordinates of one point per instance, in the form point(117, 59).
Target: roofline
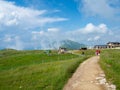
point(113, 42)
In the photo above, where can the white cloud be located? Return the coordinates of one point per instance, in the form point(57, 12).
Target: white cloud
point(22, 21)
point(110, 33)
point(96, 37)
point(11, 15)
point(28, 26)
point(7, 38)
point(1, 15)
point(48, 39)
point(90, 32)
point(51, 37)
point(89, 39)
point(98, 7)
point(51, 33)
point(38, 33)
point(51, 20)
point(53, 29)
point(102, 8)
point(91, 28)
point(12, 22)
point(18, 44)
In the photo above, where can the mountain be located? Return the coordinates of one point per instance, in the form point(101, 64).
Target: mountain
point(72, 45)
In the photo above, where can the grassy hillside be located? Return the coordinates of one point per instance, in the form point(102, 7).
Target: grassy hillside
point(110, 62)
point(35, 70)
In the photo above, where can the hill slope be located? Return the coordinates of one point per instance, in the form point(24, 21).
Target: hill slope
point(69, 44)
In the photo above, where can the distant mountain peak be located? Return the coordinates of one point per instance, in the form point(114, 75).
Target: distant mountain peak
point(72, 45)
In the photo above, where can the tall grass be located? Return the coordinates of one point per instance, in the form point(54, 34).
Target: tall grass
point(34, 70)
point(89, 52)
point(15, 59)
point(110, 62)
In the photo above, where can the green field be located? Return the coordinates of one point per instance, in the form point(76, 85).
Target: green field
point(110, 63)
point(35, 70)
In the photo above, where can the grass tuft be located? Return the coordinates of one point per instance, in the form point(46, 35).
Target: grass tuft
point(110, 63)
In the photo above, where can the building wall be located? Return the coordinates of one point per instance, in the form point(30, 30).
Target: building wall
point(109, 45)
point(114, 44)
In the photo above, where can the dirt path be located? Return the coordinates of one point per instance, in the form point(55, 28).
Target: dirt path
point(88, 76)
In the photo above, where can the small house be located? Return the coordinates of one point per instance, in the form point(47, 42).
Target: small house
point(113, 44)
point(62, 50)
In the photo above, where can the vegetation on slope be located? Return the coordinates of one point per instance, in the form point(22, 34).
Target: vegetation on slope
point(89, 52)
point(35, 70)
point(110, 63)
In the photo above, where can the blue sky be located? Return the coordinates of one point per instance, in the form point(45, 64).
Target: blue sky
point(42, 24)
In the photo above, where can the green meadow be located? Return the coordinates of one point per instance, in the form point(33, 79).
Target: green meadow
point(36, 70)
point(110, 63)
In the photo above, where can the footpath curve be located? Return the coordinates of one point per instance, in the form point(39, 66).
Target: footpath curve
point(88, 76)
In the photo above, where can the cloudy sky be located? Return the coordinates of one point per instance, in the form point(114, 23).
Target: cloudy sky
point(42, 24)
